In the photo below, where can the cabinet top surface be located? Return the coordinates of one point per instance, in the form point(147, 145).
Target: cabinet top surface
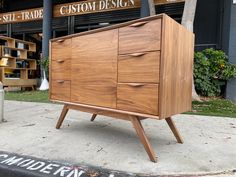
point(160, 16)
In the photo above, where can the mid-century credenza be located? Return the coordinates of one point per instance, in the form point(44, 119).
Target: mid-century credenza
point(132, 71)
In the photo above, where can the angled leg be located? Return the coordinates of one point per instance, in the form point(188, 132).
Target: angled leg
point(62, 116)
point(142, 136)
point(93, 117)
point(174, 129)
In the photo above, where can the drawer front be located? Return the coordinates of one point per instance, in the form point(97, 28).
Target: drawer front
point(139, 67)
point(140, 37)
point(60, 90)
point(97, 95)
point(61, 49)
point(61, 69)
point(135, 97)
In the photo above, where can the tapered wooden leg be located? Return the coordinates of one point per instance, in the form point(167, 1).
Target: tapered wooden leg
point(93, 117)
point(174, 130)
point(142, 136)
point(62, 116)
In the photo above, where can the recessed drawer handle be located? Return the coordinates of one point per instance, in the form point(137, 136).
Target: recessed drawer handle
point(136, 54)
point(136, 85)
point(60, 40)
point(138, 24)
point(60, 61)
point(60, 81)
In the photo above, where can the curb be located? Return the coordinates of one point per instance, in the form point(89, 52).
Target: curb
point(15, 165)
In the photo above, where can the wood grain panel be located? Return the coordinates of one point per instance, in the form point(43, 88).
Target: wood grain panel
point(137, 97)
point(60, 90)
point(97, 95)
point(61, 69)
point(140, 37)
point(94, 58)
point(176, 69)
point(139, 67)
point(61, 49)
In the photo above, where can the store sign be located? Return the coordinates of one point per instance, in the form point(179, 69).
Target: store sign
point(21, 16)
point(76, 8)
point(83, 7)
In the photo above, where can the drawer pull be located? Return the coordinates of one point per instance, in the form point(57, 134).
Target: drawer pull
point(60, 40)
point(138, 24)
point(136, 85)
point(136, 54)
point(60, 61)
point(60, 81)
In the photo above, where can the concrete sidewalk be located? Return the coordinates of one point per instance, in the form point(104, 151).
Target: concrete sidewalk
point(209, 148)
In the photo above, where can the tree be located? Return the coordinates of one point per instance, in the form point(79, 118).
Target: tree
point(187, 21)
point(151, 7)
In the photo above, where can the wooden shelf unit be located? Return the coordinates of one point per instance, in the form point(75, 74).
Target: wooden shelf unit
point(132, 71)
point(20, 62)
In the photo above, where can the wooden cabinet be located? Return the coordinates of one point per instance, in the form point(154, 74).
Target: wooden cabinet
point(135, 70)
point(107, 64)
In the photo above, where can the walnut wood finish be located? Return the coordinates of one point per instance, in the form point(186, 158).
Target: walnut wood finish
point(146, 36)
point(94, 74)
point(138, 97)
point(61, 69)
point(93, 117)
point(139, 67)
point(61, 49)
point(174, 129)
point(62, 116)
point(143, 138)
point(60, 89)
point(97, 95)
point(94, 59)
point(176, 69)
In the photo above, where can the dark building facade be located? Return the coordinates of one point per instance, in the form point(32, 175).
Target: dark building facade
point(214, 26)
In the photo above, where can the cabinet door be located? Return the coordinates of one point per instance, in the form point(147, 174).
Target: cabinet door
point(94, 68)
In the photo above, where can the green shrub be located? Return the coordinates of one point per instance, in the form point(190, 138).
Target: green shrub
point(211, 71)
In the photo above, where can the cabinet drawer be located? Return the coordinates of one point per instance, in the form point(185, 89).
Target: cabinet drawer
point(97, 95)
point(139, 67)
point(61, 69)
point(61, 49)
point(135, 97)
point(140, 37)
point(60, 90)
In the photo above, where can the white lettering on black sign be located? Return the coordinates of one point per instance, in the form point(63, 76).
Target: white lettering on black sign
point(49, 168)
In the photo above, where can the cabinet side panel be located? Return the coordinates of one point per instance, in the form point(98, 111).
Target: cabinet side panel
point(176, 69)
point(50, 70)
